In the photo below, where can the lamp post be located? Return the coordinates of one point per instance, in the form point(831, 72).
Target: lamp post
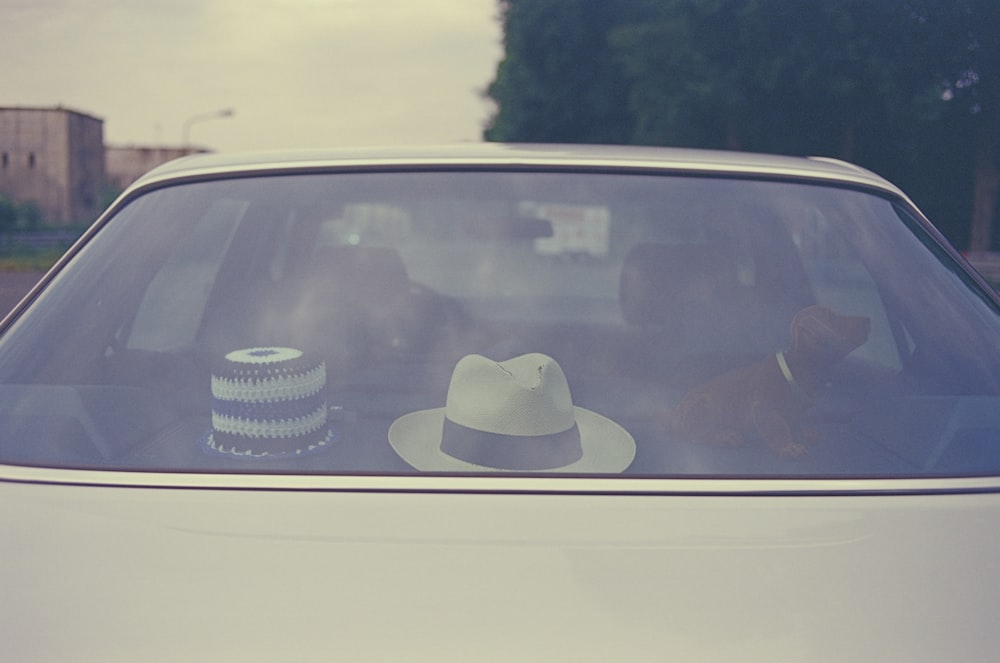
point(201, 117)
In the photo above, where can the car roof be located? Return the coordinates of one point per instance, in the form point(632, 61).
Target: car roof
point(523, 155)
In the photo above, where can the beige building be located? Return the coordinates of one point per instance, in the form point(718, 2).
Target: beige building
point(53, 157)
point(125, 164)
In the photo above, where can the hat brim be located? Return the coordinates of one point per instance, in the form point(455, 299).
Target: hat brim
point(416, 437)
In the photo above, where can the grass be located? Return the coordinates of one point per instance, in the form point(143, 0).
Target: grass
point(28, 260)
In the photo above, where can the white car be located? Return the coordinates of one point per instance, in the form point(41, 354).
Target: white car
point(503, 403)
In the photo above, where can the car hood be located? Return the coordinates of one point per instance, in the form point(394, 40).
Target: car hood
point(103, 573)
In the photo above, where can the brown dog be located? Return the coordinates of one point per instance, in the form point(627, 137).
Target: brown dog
point(767, 398)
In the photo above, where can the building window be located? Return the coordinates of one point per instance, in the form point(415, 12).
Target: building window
point(6, 159)
point(31, 160)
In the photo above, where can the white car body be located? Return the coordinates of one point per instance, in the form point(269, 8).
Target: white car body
point(477, 569)
point(201, 566)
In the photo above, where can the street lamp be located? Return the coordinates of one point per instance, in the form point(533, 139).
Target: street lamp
point(201, 117)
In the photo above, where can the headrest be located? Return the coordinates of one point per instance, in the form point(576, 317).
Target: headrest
point(657, 279)
point(360, 271)
point(364, 262)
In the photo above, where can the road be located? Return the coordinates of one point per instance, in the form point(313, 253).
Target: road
point(13, 286)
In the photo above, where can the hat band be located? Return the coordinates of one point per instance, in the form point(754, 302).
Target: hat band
point(511, 452)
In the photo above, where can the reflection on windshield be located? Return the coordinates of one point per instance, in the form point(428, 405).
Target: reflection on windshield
point(513, 322)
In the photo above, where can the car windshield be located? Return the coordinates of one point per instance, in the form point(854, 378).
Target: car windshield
point(507, 320)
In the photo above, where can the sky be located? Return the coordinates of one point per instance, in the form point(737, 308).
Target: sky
point(294, 73)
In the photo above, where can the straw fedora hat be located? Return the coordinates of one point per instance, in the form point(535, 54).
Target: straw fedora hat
point(515, 415)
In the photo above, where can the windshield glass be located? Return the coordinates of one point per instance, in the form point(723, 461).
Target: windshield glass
point(402, 322)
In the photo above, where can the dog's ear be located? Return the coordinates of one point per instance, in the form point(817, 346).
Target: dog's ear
point(810, 327)
point(824, 332)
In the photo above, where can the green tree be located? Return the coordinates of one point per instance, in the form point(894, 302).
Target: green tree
point(775, 75)
point(8, 214)
point(964, 37)
point(29, 215)
point(907, 88)
point(559, 80)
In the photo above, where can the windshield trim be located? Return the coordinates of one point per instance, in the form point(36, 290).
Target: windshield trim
point(669, 484)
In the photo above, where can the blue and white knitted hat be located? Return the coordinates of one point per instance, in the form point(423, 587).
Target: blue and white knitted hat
point(269, 402)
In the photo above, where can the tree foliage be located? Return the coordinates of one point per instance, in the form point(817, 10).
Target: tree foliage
point(560, 80)
point(19, 216)
point(908, 88)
